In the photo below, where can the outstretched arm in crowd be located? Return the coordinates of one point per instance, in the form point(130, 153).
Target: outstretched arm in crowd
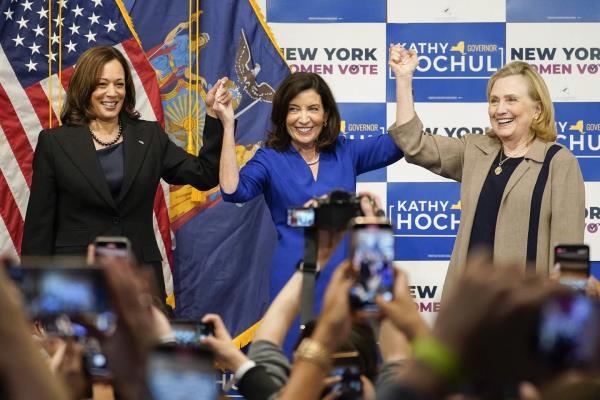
point(312, 364)
point(24, 374)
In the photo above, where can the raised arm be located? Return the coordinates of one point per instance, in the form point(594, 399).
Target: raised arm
point(220, 103)
point(403, 64)
point(439, 154)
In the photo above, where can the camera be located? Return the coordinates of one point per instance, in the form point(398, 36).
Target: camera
point(574, 262)
point(333, 212)
point(95, 362)
point(181, 373)
point(346, 366)
point(190, 333)
point(112, 246)
point(55, 290)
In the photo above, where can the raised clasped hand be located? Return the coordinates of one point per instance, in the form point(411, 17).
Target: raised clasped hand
point(223, 102)
point(403, 62)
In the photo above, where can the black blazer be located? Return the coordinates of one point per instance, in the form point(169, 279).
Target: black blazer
point(70, 202)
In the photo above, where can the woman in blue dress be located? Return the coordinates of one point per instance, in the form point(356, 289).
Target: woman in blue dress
point(304, 157)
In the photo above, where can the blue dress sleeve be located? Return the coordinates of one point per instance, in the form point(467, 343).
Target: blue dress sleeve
point(373, 152)
point(254, 177)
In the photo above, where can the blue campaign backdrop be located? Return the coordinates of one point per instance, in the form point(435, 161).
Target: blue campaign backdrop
point(552, 11)
point(455, 61)
point(326, 11)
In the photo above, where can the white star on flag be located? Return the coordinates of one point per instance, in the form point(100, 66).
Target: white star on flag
point(22, 23)
point(18, 41)
point(27, 5)
point(71, 46)
point(110, 26)
point(78, 11)
point(34, 48)
point(31, 66)
point(74, 29)
point(90, 36)
point(93, 19)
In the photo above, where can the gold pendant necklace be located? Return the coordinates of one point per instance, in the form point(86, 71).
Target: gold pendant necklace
point(498, 169)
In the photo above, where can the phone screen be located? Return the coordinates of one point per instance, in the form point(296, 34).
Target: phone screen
point(569, 332)
point(191, 332)
point(107, 246)
point(181, 373)
point(53, 291)
point(347, 369)
point(574, 262)
point(301, 217)
point(372, 257)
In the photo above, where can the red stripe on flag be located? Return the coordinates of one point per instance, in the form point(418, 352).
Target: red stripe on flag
point(39, 101)
point(10, 213)
point(162, 218)
point(15, 135)
point(147, 76)
point(66, 76)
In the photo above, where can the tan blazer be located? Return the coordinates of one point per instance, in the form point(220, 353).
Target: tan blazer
point(468, 160)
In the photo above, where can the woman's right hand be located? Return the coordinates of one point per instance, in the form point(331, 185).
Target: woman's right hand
point(217, 94)
point(223, 104)
point(403, 62)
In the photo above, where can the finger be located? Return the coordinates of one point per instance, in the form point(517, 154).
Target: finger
point(220, 328)
point(331, 380)
point(91, 249)
point(400, 283)
point(213, 90)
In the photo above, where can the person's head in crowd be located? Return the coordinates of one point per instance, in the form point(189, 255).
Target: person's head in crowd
point(361, 339)
point(101, 87)
point(304, 113)
point(519, 104)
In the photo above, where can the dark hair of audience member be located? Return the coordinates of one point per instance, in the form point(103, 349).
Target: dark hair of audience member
point(360, 339)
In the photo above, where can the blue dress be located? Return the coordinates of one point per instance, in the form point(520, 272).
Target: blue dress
point(287, 181)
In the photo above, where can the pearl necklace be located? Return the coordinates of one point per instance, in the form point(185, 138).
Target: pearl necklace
point(110, 143)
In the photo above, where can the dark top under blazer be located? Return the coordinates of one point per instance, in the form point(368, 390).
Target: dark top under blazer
point(70, 202)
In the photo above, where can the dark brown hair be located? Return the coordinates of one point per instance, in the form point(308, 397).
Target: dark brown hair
point(78, 109)
point(294, 84)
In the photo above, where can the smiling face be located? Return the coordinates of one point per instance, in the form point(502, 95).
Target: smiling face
point(107, 98)
point(511, 109)
point(305, 118)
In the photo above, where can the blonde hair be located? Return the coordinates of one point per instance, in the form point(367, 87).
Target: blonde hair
point(544, 126)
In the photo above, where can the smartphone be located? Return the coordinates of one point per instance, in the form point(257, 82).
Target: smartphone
point(95, 362)
point(346, 366)
point(569, 332)
point(54, 290)
point(191, 332)
point(112, 246)
point(301, 217)
point(574, 262)
point(181, 372)
point(372, 255)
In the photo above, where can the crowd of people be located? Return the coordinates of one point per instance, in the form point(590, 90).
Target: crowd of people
point(506, 329)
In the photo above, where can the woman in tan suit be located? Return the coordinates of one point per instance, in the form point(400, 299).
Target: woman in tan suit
point(521, 193)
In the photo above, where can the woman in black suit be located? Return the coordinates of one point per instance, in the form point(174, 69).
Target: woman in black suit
point(97, 174)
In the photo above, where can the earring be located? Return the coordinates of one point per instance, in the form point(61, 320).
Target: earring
point(325, 124)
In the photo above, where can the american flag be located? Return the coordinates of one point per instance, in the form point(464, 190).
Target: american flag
point(40, 42)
